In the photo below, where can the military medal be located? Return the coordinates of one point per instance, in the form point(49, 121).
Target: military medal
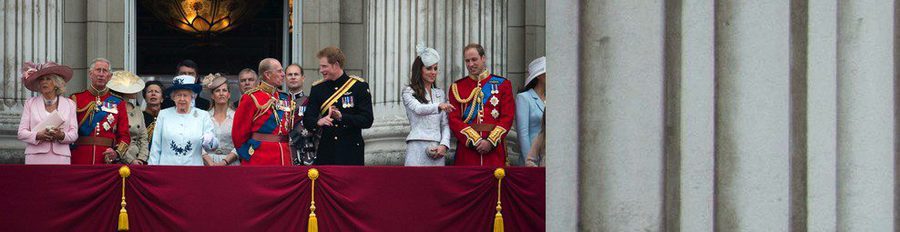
point(495, 113)
point(110, 118)
point(494, 100)
point(106, 126)
point(347, 102)
point(109, 107)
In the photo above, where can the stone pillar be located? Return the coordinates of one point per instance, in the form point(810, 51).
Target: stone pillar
point(753, 116)
point(621, 96)
point(394, 27)
point(821, 116)
point(692, 151)
point(321, 28)
point(32, 32)
point(865, 116)
point(74, 46)
point(564, 139)
point(105, 33)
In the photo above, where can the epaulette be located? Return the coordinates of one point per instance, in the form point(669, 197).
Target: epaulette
point(318, 82)
point(253, 90)
point(358, 79)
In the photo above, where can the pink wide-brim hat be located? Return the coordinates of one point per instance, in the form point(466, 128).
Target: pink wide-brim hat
point(40, 70)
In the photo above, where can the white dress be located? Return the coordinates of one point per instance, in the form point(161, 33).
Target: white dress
point(223, 133)
point(178, 138)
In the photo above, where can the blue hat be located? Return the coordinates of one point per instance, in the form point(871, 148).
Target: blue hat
point(184, 82)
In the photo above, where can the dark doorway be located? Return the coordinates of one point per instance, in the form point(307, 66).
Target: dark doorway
point(160, 47)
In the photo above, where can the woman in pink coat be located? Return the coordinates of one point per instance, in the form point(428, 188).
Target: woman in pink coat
point(47, 143)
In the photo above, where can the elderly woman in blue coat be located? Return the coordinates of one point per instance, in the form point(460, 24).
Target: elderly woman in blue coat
point(530, 107)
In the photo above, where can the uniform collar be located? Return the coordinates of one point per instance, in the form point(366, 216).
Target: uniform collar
point(96, 92)
point(482, 76)
point(297, 94)
point(266, 87)
point(342, 79)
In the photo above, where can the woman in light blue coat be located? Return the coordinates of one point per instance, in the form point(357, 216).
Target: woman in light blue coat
point(530, 107)
point(426, 108)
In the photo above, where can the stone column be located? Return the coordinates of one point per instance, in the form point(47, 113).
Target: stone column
point(621, 99)
point(563, 139)
point(753, 116)
point(693, 149)
point(821, 116)
point(321, 28)
point(865, 116)
point(32, 32)
point(105, 33)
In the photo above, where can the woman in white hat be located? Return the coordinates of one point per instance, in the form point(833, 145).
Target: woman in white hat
point(126, 85)
point(48, 122)
point(426, 107)
point(222, 118)
point(182, 131)
point(530, 107)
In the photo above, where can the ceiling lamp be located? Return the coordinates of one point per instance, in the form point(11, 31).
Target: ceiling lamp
point(203, 18)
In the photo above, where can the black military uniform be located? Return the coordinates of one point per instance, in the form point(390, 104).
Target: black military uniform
point(341, 144)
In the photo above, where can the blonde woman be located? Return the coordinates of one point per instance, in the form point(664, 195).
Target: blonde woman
point(48, 122)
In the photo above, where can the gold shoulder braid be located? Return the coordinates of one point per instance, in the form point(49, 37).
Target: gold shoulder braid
point(358, 79)
point(260, 108)
point(471, 96)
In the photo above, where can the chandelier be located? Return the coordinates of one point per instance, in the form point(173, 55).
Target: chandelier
point(203, 18)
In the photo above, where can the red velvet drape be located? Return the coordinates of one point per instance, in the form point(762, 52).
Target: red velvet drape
point(162, 198)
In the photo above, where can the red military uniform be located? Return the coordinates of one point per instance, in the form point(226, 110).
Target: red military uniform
point(262, 122)
point(102, 124)
point(485, 111)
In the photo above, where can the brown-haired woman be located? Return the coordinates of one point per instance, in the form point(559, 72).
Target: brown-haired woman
point(426, 108)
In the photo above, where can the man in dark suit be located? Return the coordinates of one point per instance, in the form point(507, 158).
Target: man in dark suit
point(339, 107)
point(187, 67)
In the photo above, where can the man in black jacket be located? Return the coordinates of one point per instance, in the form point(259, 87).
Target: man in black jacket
point(339, 107)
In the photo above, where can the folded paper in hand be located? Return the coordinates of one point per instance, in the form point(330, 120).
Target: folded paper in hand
point(53, 121)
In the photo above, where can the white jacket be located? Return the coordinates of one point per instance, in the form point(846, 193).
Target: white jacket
point(426, 121)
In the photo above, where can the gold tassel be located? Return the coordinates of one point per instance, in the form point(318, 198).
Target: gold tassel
point(313, 225)
point(124, 171)
point(499, 173)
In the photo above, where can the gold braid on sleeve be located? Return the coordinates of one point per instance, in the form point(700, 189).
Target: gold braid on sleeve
point(496, 135)
point(472, 136)
point(122, 147)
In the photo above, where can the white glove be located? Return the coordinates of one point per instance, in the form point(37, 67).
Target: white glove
point(210, 142)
